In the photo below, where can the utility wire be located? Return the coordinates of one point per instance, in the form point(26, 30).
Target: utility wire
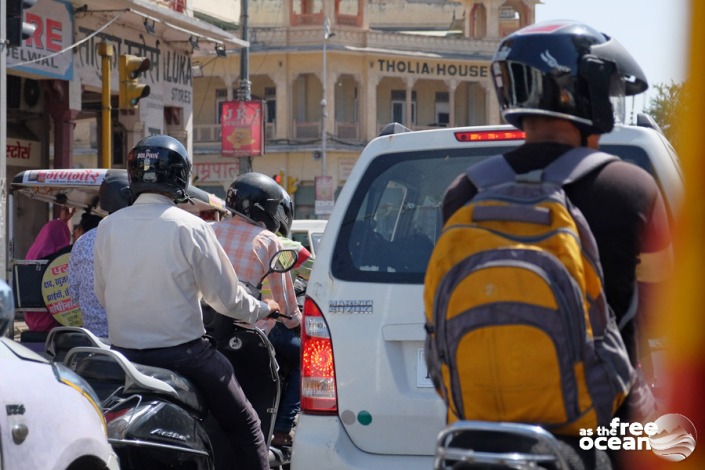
point(38, 59)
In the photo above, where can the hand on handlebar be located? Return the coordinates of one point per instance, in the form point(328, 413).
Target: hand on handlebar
point(277, 314)
point(275, 311)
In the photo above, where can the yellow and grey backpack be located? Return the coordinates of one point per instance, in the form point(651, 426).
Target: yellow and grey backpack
point(518, 326)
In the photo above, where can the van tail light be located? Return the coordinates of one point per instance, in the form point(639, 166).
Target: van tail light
point(484, 136)
point(318, 391)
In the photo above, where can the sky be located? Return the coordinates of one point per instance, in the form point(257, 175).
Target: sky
point(655, 32)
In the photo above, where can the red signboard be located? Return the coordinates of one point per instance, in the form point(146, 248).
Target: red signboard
point(242, 129)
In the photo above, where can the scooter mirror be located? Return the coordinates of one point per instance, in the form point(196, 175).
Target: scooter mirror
point(283, 261)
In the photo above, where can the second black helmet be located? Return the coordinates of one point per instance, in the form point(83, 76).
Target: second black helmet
point(114, 192)
point(257, 196)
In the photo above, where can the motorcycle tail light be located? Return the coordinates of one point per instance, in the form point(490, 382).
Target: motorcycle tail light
point(115, 414)
point(318, 390)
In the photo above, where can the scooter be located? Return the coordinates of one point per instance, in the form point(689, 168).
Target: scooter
point(156, 417)
point(250, 352)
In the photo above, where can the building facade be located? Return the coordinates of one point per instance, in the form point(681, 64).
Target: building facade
point(55, 83)
point(422, 64)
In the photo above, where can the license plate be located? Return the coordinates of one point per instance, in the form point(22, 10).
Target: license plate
point(422, 378)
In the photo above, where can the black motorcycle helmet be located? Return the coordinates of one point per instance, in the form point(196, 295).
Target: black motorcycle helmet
point(159, 164)
point(285, 213)
point(256, 196)
point(114, 192)
point(567, 70)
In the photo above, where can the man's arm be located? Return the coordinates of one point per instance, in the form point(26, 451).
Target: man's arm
point(655, 264)
point(283, 292)
point(219, 284)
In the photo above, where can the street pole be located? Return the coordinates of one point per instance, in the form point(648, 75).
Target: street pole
point(244, 90)
point(324, 111)
point(105, 51)
point(3, 140)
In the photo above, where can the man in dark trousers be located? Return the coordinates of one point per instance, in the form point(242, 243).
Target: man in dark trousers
point(562, 83)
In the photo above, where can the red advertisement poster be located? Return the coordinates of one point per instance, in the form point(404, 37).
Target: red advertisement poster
point(242, 129)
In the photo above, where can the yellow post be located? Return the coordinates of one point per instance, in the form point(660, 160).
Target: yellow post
point(105, 51)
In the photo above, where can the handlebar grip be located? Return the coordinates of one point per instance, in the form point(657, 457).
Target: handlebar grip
point(277, 314)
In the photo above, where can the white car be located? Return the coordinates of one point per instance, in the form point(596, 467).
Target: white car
point(50, 418)
point(366, 400)
point(308, 232)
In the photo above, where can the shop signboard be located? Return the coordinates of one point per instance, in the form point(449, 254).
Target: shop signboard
point(242, 129)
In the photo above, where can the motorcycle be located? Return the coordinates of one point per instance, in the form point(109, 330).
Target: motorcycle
point(155, 417)
point(481, 444)
point(466, 445)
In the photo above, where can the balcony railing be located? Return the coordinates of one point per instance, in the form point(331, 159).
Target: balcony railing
point(347, 130)
point(206, 132)
point(264, 38)
point(307, 19)
point(307, 130)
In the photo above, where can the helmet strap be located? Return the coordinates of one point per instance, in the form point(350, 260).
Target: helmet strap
point(598, 74)
point(182, 197)
point(583, 138)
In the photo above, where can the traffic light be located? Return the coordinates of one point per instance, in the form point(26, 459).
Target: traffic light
point(131, 90)
point(292, 184)
point(279, 178)
point(17, 29)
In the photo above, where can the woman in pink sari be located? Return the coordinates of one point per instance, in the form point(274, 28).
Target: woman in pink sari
point(54, 236)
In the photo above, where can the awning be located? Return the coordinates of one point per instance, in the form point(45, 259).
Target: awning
point(169, 24)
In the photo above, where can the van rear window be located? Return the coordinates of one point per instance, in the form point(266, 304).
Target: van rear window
point(392, 224)
point(394, 219)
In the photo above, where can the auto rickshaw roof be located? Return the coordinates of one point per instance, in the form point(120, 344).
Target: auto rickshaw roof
point(78, 187)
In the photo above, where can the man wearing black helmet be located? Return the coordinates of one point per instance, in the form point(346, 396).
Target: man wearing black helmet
point(563, 83)
point(153, 264)
point(249, 240)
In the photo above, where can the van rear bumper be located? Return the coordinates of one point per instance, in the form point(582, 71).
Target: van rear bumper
point(321, 442)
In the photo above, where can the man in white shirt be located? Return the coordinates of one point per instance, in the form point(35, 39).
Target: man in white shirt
point(153, 263)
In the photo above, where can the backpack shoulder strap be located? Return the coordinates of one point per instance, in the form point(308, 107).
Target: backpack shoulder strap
point(566, 169)
point(574, 164)
point(490, 172)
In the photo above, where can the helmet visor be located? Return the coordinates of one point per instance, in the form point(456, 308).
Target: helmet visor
point(523, 89)
point(617, 99)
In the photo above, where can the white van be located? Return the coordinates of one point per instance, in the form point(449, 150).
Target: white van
point(367, 401)
point(50, 418)
point(308, 232)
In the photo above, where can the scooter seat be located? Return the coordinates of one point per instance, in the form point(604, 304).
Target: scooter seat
point(186, 391)
point(102, 373)
point(65, 342)
point(105, 375)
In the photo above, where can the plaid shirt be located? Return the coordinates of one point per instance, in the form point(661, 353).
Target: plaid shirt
point(250, 248)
